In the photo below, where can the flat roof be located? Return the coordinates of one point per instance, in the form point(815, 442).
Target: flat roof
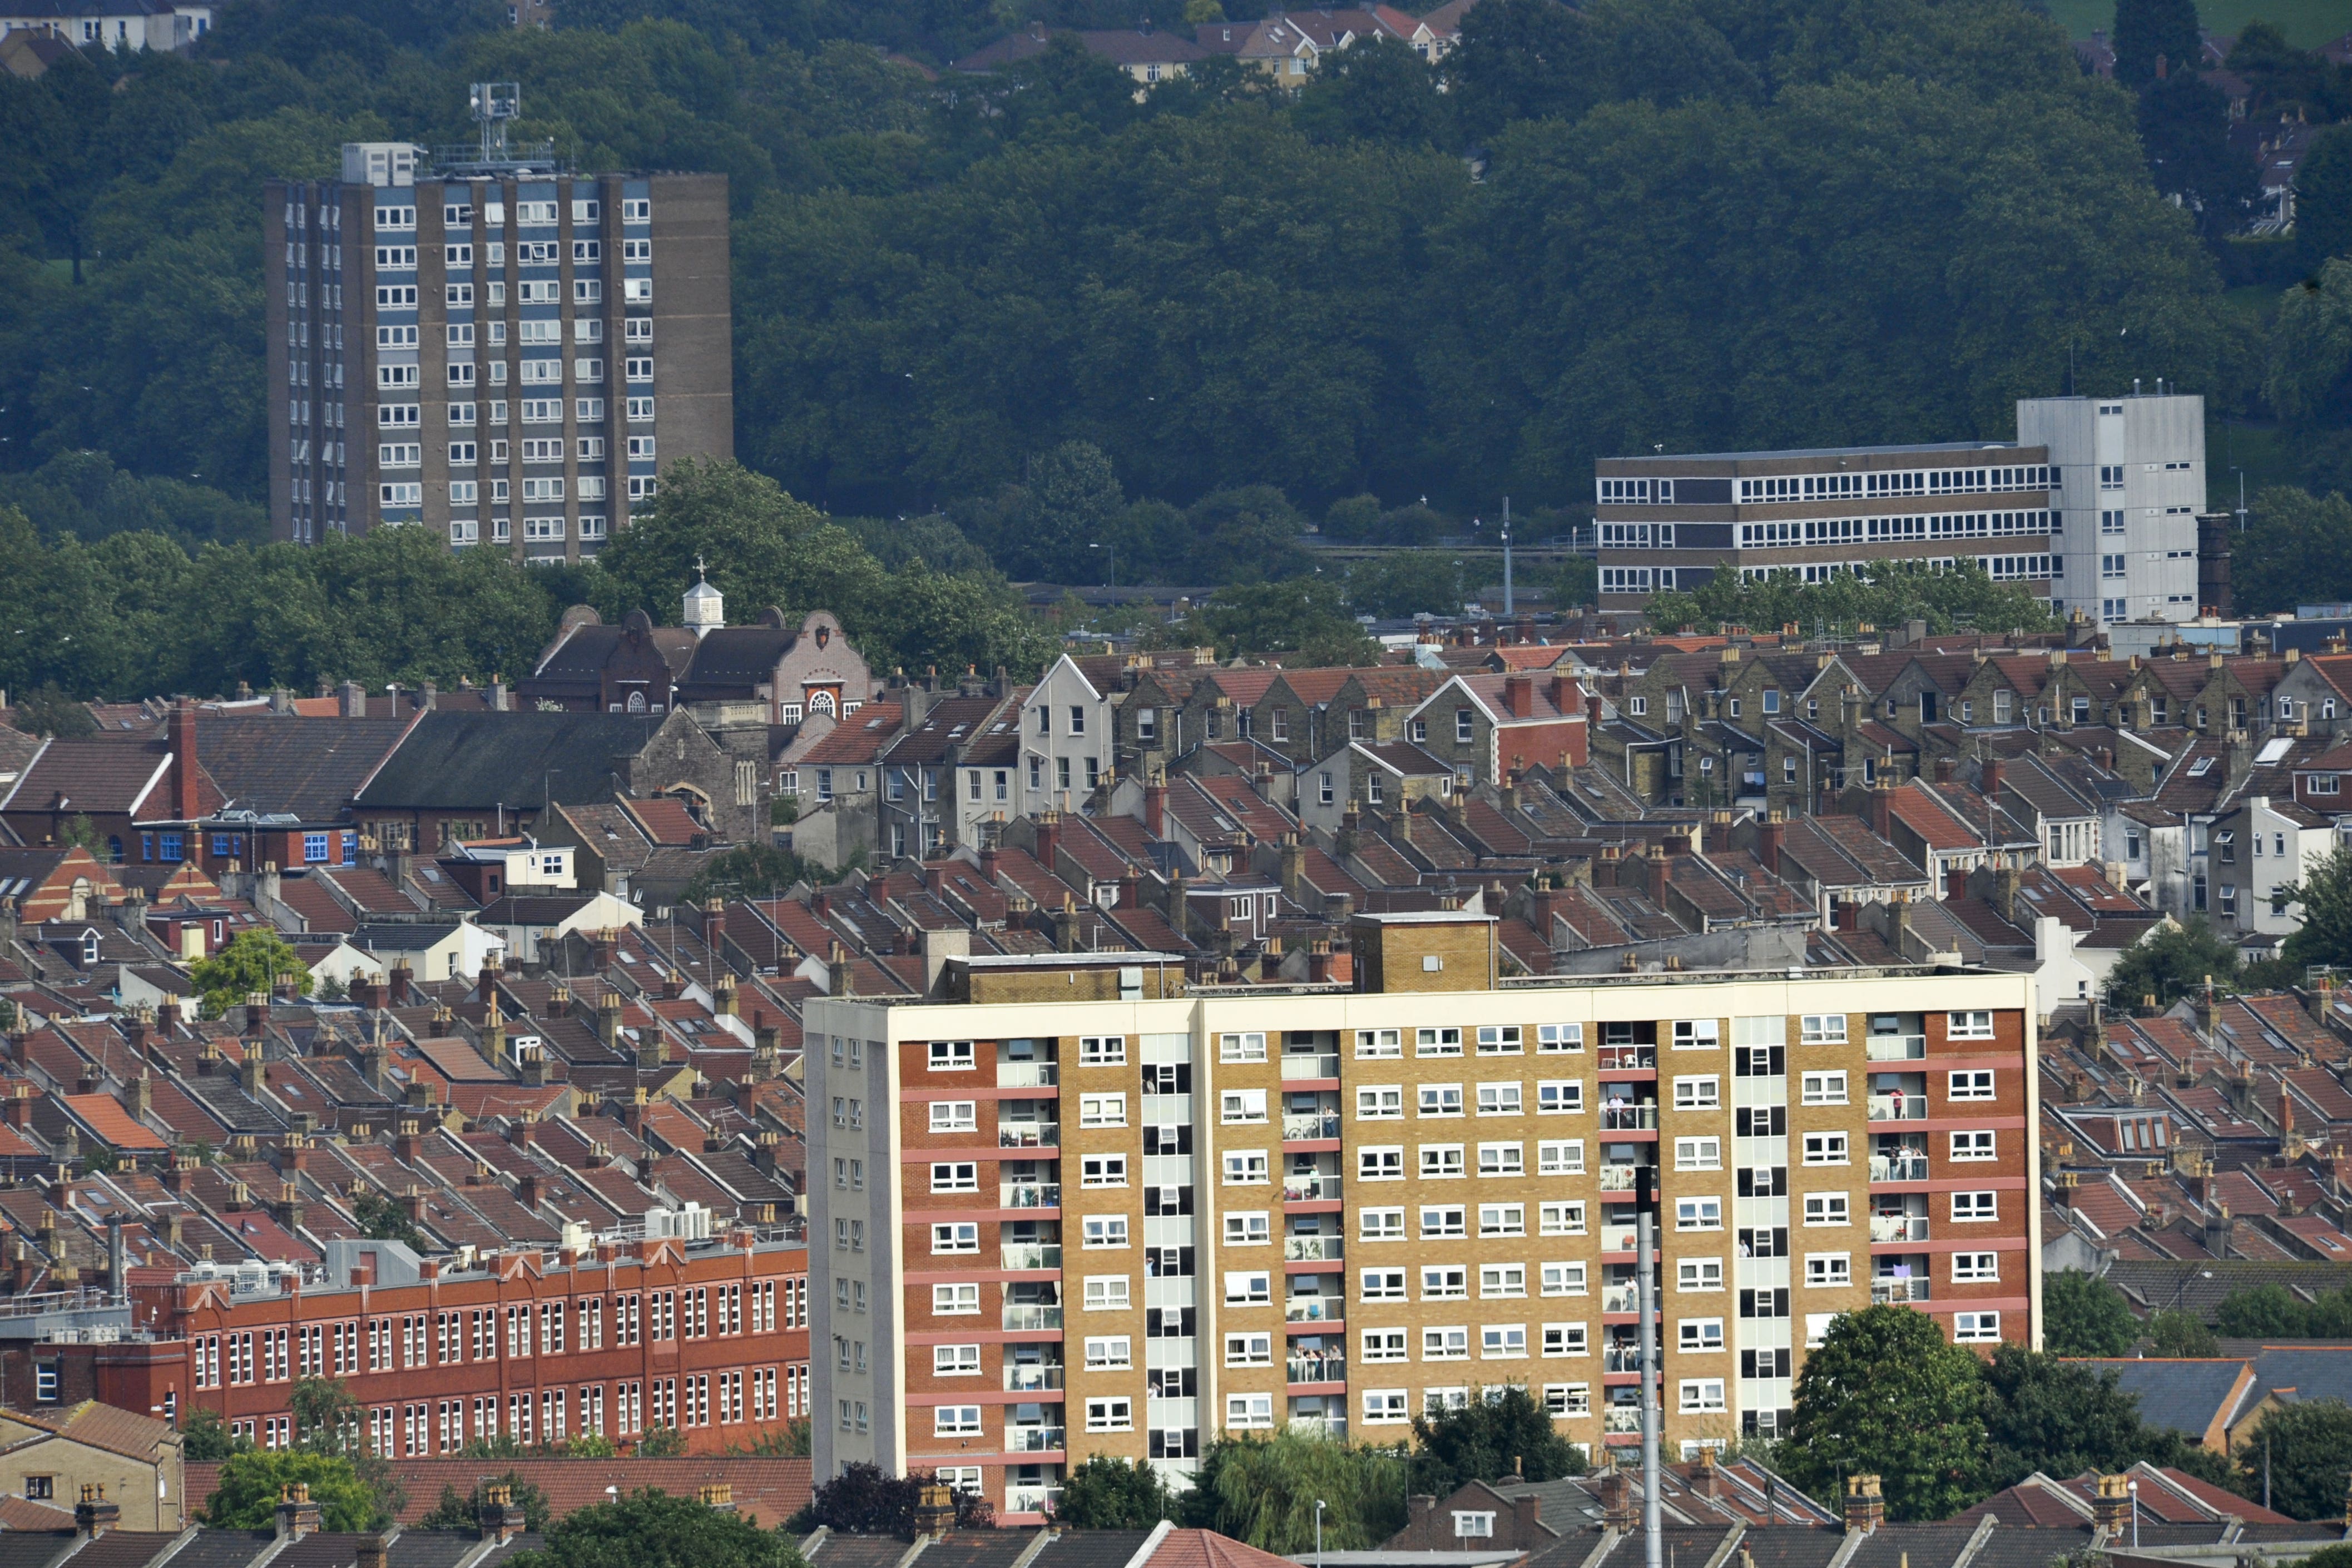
point(1423, 917)
point(1057, 961)
point(1819, 452)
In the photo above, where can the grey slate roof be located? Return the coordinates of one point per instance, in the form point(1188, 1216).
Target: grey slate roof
point(2184, 1395)
point(311, 767)
point(460, 761)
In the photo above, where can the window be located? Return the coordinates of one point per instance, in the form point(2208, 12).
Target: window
point(955, 1237)
point(1698, 1093)
point(1380, 1224)
point(1560, 1219)
point(1825, 1269)
point(1441, 1162)
point(1975, 1084)
point(1822, 1088)
point(1384, 1407)
point(1563, 1279)
point(1106, 1293)
point(1240, 1048)
point(953, 1116)
point(1699, 1274)
point(1697, 1034)
point(1975, 1206)
point(1242, 1105)
point(1106, 1170)
point(1249, 1410)
point(1246, 1288)
point(1822, 1029)
point(1700, 1334)
point(1102, 1051)
point(1502, 1280)
point(1382, 1164)
point(1976, 1328)
point(1499, 1098)
point(1827, 1208)
point(1444, 1282)
point(1441, 1100)
point(1375, 1043)
point(955, 1420)
point(1975, 1145)
point(1698, 1154)
point(1440, 1220)
point(1110, 1415)
point(1107, 1110)
point(1825, 1148)
point(955, 1300)
point(1503, 1342)
point(1975, 1267)
point(955, 1176)
point(1382, 1285)
point(1105, 1230)
point(1556, 1038)
point(1701, 1394)
point(1968, 1026)
point(1254, 1230)
point(1245, 1167)
point(1698, 1214)
point(1559, 1156)
point(950, 1055)
point(1560, 1098)
point(1249, 1350)
point(1445, 1344)
point(1470, 1526)
point(1498, 1040)
point(1380, 1103)
point(1437, 1043)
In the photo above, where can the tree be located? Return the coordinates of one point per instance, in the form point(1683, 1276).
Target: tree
point(2155, 38)
point(1884, 593)
point(1520, 59)
point(2184, 129)
point(1263, 1491)
point(750, 871)
point(458, 1511)
point(1379, 91)
point(1305, 613)
point(1887, 1395)
point(48, 711)
point(245, 1496)
point(2326, 893)
point(2178, 1334)
point(2057, 1416)
point(864, 1499)
point(2323, 198)
point(330, 1422)
point(2172, 963)
point(382, 1218)
point(1503, 1433)
point(661, 1442)
point(1409, 582)
point(2307, 1450)
point(2084, 1315)
point(2294, 550)
point(649, 1529)
point(207, 1436)
point(254, 961)
point(2266, 1312)
point(1106, 1493)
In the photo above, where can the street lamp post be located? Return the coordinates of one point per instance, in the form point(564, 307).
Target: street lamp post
point(1112, 556)
point(1318, 1533)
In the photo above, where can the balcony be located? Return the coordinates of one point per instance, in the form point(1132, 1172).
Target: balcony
point(1629, 1116)
point(1617, 1418)
point(1298, 1126)
point(1619, 1238)
point(1899, 1228)
point(1029, 1134)
point(1294, 1067)
point(1620, 1358)
point(1898, 1107)
point(1620, 1298)
point(1898, 1167)
point(1019, 1379)
point(1330, 1368)
point(1034, 1439)
point(1617, 1178)
point(1031, 1500)
point(1887, 1292)
point(1311, 1249)
point(1032, 1255)
point(1029, 1194)
point(1021, 1318)
point(1310, 1189)
point(1028, 1075)
point(1627, 1059)
point(1313, 1309)
point(1894, 1048)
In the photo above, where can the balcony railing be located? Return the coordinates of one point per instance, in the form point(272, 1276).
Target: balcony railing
point(1031, 1195)
point(1032, 1255)
point(1625, 1116)
point(1028, 1075)
point(1311, 1249)
point(1031, 1379)
point(1618, 1237)
point(1898, 1167)
point(1299, 1125)
point(1031, 1500)
point(1311, 1066)
point(1621, 1298)
point(1312, 1310)
point(1331, 1368)
point(1022, 1317)
point(1621, 1418)
point(1899, 1228)
point(1898, 1107)
point(1627, 1058)
point(1886, 1292)
point(1894, 1048)
point(1028, 1134)
point(1032, 1439)
point(1620, 1358)
point(1309, 1189)
point(1617, 1178)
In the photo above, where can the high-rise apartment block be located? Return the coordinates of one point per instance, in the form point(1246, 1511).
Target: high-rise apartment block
point(492, 346)
point(2095, 507)
point(1066, 1206)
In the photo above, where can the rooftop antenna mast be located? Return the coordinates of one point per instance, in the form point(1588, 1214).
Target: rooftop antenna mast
point(492, 104)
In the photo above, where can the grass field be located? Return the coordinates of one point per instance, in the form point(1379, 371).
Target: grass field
point(2306, 22)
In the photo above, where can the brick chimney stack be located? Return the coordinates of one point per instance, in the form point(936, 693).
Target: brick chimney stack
point(2111, 1508)
point(1865, 1505)
point(184, 806)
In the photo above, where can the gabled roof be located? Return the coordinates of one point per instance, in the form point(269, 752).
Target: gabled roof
point(468, 760)
point(308, 768)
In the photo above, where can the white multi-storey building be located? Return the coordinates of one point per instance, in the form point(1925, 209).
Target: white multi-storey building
point(2131, 480)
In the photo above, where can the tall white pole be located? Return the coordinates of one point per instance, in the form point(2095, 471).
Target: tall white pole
point(1645, 1273)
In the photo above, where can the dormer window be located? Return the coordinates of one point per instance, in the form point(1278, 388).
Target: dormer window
point(89, 947)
